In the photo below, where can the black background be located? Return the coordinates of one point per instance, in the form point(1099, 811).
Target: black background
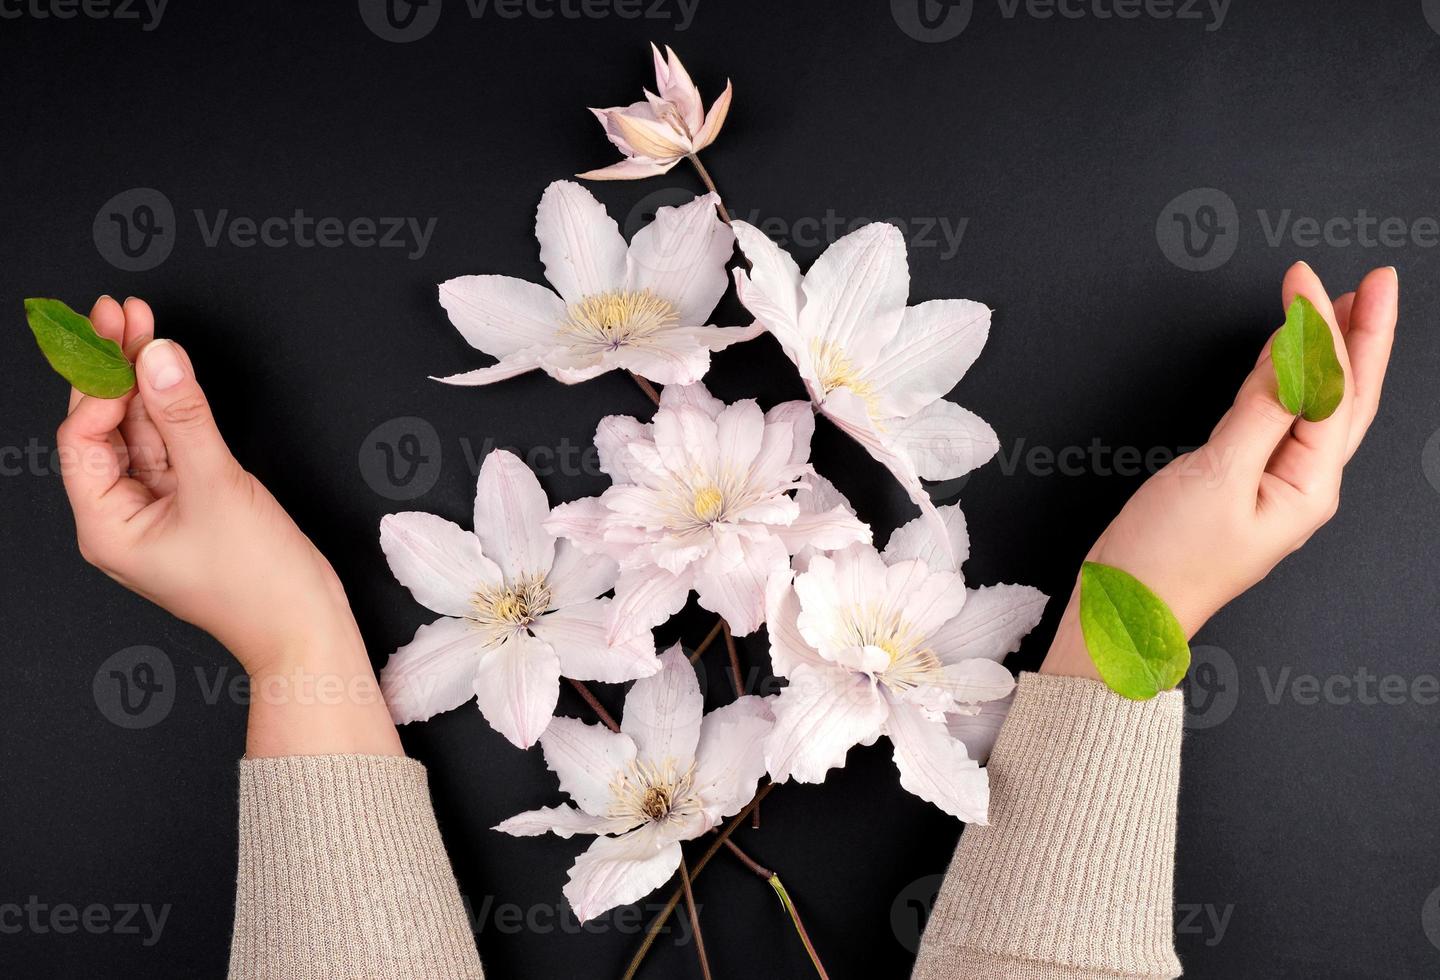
point(1310, 829)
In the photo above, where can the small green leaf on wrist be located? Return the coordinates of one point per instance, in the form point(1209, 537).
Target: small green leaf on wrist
point(1312, 383)
point(1137, 644)
point(93, 364)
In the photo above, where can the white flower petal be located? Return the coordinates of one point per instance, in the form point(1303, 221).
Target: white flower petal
point(788, 648)
point(613, 437)
point(920, 539)
point(516, 686)
point(586, 758)
point(943, 440)
point(848, 411)
point(578, 635)
point(826, 531)
point(739, 430)
point(934, 765)
point(438, 561)
point(855, 293)
point(644, 598)
point(937, 343)
point(619, 870)
point(509, 366)
point(714, 119)
point(991, 624)
point(980, 730)
point(501, 315)
point(510, 513)
point(632, 169)
point(572, 365)
point(681, 256)
point(662, 712)
point(576, 577)
point(563, 821)
point(819, 717)
point(976, 680)
point(696, 395)
point(730, 758)
point(580, 245)
point(771, 289)
point(432, 673)
point(581, 521)
point(668, 358)
point(675, 85)
point(737, 591)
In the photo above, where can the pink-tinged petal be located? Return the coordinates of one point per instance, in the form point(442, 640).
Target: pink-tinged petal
point(675, 86)
point(687, 440)
point(645, 598)
point(617, 871)
point(935, 766)
point(936, 344)
point(517, 686)
point(714, 119)
point(432, 673)
point(642, 109)
point(580, 245)
point(826, 531)
point(800, 417)
point(613, 437)
point(581, 521)
point(578, 637)
point(716, 338)
point(739, 431)
point(501, 315)
point(695, 395)
point(510, 366)
point(737, 591)
point(563, 821)
point(920, 540)
point(648, 137)
point(771, 289)
point(587, 759)
point(847, 410)
point(662, 712)
point(681, 256)
point(730, 758)
point(630, 169)
point(667, 358)
point(572, 365)
point(855, 293)
point(976, 680)
point(510, 513)
point(991, 624)
point(980, 730)
point(943, 440)
point(788, 648)
point(819, 717)
point(926, 599)
point(438, 561)
point(576, 577)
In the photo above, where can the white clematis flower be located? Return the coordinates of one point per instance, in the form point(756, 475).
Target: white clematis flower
point(519, 609)
point(658, 133)
point(702, 500)
point(639, 308)
point(667, 776)
point(894, 644)
point(874, 366)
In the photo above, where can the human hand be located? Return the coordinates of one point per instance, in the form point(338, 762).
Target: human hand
point(162, 507)
point(1217, 520)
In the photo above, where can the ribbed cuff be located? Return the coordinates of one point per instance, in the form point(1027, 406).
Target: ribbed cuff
point(342, 873)
point(1073, 878)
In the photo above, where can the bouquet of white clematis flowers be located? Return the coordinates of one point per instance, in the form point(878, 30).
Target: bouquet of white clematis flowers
point(721, 500)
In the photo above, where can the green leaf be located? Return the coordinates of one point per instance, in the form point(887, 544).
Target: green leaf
point(90, 362)
point(1312, 383)
point(1135, 640)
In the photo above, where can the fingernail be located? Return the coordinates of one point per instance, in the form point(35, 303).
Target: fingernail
point(1394, 272)
point(163, 367)
point(105, 296)
point(1305, 264)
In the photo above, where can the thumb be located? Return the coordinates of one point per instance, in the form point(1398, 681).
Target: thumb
point(180, 412)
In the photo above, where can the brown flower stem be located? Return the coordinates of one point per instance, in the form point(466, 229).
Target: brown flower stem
point(694, 919)
point(710, 186)
point(756, 868)
point(646, 387)
point(799, 926)
point(736, 678)
point(663, 917)
point(595, 704)
point(709, 638)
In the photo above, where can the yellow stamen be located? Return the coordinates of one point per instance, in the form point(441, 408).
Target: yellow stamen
point(835, 370)
point(708, 503)
point(616, 318)
point(510, 608)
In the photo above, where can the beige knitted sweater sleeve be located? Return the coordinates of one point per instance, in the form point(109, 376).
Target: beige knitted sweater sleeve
point(1073, 877)
point(343, 874)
